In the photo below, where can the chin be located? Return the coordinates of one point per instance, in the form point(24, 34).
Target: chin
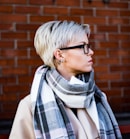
point(89, 69)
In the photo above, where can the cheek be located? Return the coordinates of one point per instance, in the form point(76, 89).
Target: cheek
point(77, 62)
point(74, 58)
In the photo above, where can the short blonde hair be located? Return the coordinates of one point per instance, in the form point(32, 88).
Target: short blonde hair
point(56, 34)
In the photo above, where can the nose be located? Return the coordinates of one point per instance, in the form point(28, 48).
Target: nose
point(91, 52)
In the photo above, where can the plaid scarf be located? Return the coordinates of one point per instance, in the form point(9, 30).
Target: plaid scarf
point(50, 92)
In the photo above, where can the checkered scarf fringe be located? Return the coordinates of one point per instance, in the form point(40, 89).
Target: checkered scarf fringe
point(50, 118)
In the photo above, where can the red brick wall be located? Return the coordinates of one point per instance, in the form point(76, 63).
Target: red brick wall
point(110, 38)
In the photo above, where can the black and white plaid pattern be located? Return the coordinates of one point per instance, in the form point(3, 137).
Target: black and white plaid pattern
point(50, 118)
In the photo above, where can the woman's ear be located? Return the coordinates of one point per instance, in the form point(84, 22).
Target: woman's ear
point(58, 54)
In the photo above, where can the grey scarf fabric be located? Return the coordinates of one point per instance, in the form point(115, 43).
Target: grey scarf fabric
point(55, 110)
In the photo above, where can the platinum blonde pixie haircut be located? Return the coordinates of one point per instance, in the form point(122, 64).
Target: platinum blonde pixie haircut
point(57, 34)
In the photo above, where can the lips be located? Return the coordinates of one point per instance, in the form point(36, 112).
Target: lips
point(90, 60)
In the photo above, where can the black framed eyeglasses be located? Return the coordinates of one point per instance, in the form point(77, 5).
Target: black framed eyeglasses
point(85, 47)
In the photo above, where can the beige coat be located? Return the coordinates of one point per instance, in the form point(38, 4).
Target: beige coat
point(22, 128)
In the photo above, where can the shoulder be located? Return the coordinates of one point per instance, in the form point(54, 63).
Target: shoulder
point(104, 95)
point(26, 100)
point(23, 122)
point(25, 104)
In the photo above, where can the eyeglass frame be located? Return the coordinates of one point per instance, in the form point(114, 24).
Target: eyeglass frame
point(86, 49)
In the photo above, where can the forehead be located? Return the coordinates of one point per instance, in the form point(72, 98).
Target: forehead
point(79, 38)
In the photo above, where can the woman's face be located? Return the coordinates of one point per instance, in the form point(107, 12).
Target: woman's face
point(75, 60)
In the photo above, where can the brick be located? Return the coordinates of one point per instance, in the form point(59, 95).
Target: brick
point(28, 9)
point(126, 75)
point(6, 79)
point(6, 9)
point(32, 35)
point(102, 69)
point(116, 100)
point(29, 62)
point(95, 20)
point(6, 62)
point(108, 61)
point(23, 78)
point(26, 27)
point(100, 53)
point(125, 28)
point(25, 44)
point(71, 3)
point(15, 71)
point(107, 28)
point(93, 44)
point(125, 13)
point(121, 37)
point(13, 53)
point(118, 20)
point(41, 19)
point(114, 92)
point(55, 10)
point(69, 18)
point(105, 12)
point(33, 53)
point(9, 107)
point(92, 29)
point(120, 84)
point(117, 68)
point(22, 95)
point(126, 60)
point(15, 89)
point(38, 60)
point(6, 27)
point(11, 97)
point(7, 115)
point(12, 2)
point(109, 45)
point(119, 52)
point(101, 84)
point(13, 18)
point(41, 2)
point(98, 36)
point(109, 76)
point(85, 12)
point(97, 4)
point(33, 69)
point(121, 5)
point(6, 44)
point(125, 45)
point(14, 35)
point(126, 92)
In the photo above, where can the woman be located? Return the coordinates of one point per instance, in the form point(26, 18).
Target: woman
point(64, 102)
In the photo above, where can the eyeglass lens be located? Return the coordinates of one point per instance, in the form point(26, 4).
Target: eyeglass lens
point(86, 48)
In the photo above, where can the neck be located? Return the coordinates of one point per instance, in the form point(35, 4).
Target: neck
point(67, 75)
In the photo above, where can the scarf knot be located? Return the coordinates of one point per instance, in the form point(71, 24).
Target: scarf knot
point(75, 95)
